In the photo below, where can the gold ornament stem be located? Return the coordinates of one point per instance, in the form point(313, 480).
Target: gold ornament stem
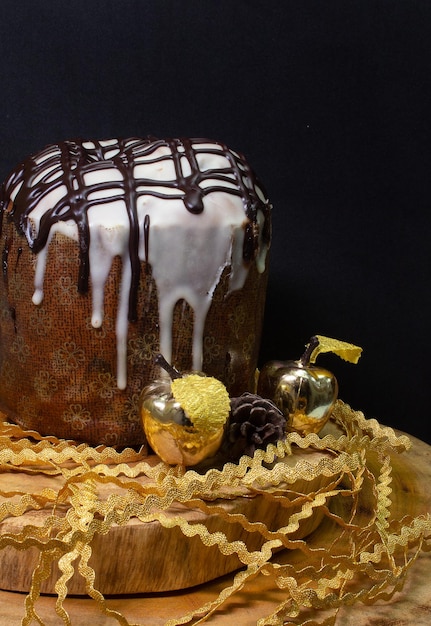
point(311, 346)
point(160, 360)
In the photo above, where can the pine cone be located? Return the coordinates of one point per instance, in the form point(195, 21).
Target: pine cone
point(254, 422)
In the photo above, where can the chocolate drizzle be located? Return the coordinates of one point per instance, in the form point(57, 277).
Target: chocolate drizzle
point(67, 164)
point(5, 259)
point(147, 237)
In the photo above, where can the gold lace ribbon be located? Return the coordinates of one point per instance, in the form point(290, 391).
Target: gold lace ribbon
point(364, 554)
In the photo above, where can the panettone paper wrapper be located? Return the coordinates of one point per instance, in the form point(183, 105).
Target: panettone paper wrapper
point(58, 374)
point(362, 559)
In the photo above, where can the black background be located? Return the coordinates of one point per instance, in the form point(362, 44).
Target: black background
point(330, 101)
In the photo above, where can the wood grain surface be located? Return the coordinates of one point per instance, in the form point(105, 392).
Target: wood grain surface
point(411, 606)
point(146, 557)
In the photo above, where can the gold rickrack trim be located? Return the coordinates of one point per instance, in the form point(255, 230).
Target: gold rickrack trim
point(367, 557)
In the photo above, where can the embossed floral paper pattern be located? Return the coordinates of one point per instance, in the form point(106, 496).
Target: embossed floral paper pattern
point(58, 373)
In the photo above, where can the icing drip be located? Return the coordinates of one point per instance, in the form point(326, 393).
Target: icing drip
point(188, 208)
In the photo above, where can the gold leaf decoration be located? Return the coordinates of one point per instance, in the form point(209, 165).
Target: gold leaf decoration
point(346, 351)
point(204, 399)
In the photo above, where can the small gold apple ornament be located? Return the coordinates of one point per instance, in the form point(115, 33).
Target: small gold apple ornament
point(184, 417)
point(304, 392)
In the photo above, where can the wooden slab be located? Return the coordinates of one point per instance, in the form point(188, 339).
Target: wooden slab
point(146, 557)
point(411, 495)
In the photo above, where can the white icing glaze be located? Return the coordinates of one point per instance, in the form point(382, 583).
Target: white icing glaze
point(188, 252)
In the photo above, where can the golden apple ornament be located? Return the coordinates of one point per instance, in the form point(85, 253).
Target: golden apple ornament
point(304, 392)
point(184, 417)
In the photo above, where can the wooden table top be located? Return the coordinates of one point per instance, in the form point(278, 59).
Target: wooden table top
point(412, 605)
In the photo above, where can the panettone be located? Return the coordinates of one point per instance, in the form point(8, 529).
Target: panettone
point(113, 251)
